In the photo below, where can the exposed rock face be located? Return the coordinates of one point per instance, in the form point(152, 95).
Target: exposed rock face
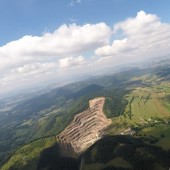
point(85, 129)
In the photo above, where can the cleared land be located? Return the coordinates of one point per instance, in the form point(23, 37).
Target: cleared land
point(145, 105)
point(85, 129)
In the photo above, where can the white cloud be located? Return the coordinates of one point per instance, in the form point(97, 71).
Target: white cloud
point(34, 68)
point(70, 61)
point(144, 36)
point(27, 72)
point(85, 48)
point(142, 23)
point(66, 40)
point(33, 55)
point(116, 47)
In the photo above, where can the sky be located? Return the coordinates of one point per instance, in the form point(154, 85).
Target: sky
point(44, 41)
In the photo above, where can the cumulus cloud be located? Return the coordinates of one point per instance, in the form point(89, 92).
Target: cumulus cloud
point(66, 40)
point(70, 61)
point(142, 23)
point(34, 68)
point(89, 48)
point(116, 47)
point(27, 72)
point(144, 35)
point(33, 54)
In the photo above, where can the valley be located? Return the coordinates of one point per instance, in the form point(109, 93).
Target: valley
point(131, 121)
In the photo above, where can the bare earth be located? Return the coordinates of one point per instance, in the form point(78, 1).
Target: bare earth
point(85, 129)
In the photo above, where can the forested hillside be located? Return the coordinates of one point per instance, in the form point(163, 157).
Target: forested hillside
point(137, 102)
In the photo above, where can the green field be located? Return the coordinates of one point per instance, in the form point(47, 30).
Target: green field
point(147, 112)
point(144, 104)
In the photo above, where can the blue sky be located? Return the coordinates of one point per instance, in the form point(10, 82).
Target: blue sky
point(33, 17)
point(50, 41)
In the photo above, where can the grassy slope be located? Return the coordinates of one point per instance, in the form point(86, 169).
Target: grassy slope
point(27, 156)
point(147, 111)
point(145, 106)
point(141, 106)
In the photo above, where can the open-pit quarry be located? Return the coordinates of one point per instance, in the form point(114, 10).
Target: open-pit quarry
point(85, 129)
